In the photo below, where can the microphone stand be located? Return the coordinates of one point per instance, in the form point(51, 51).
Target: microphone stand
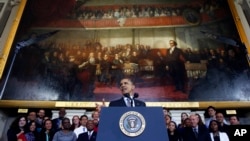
point(23, 44)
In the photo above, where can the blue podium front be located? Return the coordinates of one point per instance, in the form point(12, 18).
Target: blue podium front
point(132, 124)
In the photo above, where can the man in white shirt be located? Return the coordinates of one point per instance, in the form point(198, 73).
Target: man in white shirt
point(82, 128)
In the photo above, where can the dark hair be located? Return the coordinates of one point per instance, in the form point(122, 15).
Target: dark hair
point(168, 116)
point(211, 107)
point(29, 124)
point(175, 43)
point(210, 123)
point(237, 117)
point(82, 116)
point(128, 78)
point(200, 120)
point(174, 124)
point(44, 122)
point(15, 123)
point(65, 119)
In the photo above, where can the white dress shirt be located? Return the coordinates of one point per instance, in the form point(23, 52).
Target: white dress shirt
point(80, 130)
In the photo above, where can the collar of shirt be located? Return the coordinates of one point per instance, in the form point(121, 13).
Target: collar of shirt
point(90, 132)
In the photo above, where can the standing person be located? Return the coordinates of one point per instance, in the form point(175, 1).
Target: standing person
point(116, 69)
point(196, 132)
point(215, 133)
point(65, 134)
point(95, 117)
point(82, 128)
point(47, 132)
point(90, 135)
point(57, 122)
point(31, 116)
point(173, 134)
point(128, 99)
point(220, 118)
point(184, 116)
point(234, 120)
point(75, 122)
point(39, 119)
point(31, 135)
point(175, 65)
point(211, 111)
point(17, 129)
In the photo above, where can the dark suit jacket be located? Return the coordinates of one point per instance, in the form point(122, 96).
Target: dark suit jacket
point(121, 103)
point(84, 137)
point(175, 61)
point(203, 134)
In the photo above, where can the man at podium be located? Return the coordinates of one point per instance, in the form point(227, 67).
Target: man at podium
point(131, 119)
point(128, 99)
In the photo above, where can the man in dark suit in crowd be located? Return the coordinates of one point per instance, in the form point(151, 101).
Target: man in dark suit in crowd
point(90, 135)
point(128, 99)
point(57, 122)
point(196, 132)
point(175, 65)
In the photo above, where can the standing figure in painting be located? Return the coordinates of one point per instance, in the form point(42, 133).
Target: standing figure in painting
point(175, 65)
point(105, 70)
point(116, 69)
point(89, 67)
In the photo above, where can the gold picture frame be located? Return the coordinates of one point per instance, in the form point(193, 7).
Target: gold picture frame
point(79, 104)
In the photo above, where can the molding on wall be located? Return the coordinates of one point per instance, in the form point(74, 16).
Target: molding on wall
point(241, 23)
point(92, 104)
point(9, 33)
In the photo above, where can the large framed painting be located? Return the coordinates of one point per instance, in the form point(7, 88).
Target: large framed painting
point(78, 50)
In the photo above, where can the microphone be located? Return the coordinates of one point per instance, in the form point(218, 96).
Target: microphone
point(136, 95)
point(127, 95)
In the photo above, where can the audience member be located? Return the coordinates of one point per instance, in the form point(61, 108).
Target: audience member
point(215, 133)
point(31, 116)
point(196, 132)
point(17, 129)
point(47, 132)
point(220, 118)
point(173, 134)
point(168, 118)
point(90, 135)
point(57, 122)
point(82, 128)
point(31, 134)
point(65, 134)
point(234, 120)
point(39, 119)
point(183, 117)
point(75, 122)
point(211, 111)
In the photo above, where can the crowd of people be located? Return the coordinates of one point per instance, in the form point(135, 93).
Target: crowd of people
point(144, 11)
point(215, 127)
point(38, 126)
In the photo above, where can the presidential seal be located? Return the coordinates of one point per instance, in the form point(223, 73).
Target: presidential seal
point(132, 123)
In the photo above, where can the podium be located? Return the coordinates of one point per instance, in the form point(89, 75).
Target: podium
point(132, 124)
